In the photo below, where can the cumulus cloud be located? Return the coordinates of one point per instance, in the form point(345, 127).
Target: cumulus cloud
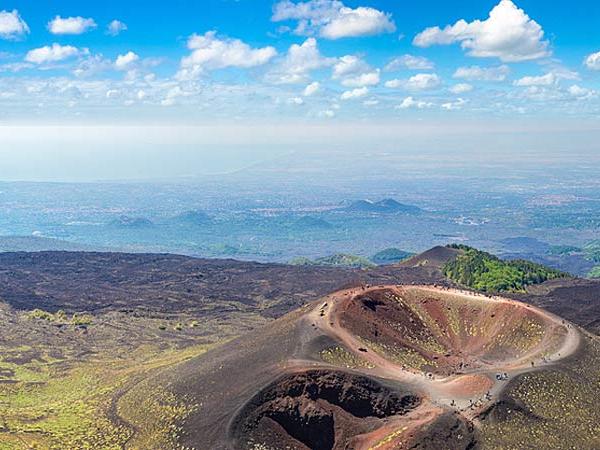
point(593, 61)
point(311, 89)
point(355, 93)
point(299, 61)
point(50, 54)
point(542, 80)
point(12, 26)
point(483, 73)
point(410, 62)
point(210, 52)
point(508, 34)
point(453, 106)
point(70, 25)
point(363, 79)
point(581, 93)
point(115, 28)
point(126, 61)
point(354, 72)
point(92, 65)
point(418, 82)
point(461, 88)
point(410, 102)
point(331, 19)
point(349, 65)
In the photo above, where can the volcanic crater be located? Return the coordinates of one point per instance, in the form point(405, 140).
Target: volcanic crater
point(447, 332)
point(381, 367)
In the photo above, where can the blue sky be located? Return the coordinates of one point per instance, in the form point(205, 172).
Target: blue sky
point(317, 61)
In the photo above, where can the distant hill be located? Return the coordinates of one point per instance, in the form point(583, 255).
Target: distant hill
point(386, 206)
point(310, 222)
point(525, 245)
point(195, 217)
point(131, 222)
point(337, 260)
point(39, 244)
point(390, 256)
point(434, 258)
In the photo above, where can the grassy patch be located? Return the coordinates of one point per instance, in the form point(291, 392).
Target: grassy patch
point(48, 404)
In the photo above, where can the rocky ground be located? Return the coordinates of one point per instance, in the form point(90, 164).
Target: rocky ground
point(106, 350)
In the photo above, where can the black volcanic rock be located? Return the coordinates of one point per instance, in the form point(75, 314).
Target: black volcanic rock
point(386, 206)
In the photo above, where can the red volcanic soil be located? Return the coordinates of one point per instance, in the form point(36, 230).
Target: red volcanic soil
point(447, 333)
point(320, 410)
point(414, 366)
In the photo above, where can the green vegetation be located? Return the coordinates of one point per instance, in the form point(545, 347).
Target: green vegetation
point(60, 317)
point(339, 259)
point(594, 273)
point(563, 250)
point(339, 356)
point(390, 256)
point(557, 409)
point(485, 272)
point(49, 403)
point(592, 251)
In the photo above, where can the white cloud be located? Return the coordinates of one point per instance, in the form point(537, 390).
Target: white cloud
point(542, 80)
point(295, 101)
point(581, 93)
point(115, 28)
point(210, 52)
point(363, 79)
point(50, 54)
point(92, 65)
point(299, 61)
point(12, 26)
point(548, 79)
point(332, 20)
point(361, 21)
point(410, 102)
point(461, 88)
point(355, 93)
point(354, 72)
point(311, 89)
point(593, 61)
point(508, 34)
point(70, 25)
point(453, 106)
point(328, 113)
point(372, 102)
point(418, 82)
point(124, 62)
point(409, 62)
point(483, 73)
point(422, 81)
point(349, 65)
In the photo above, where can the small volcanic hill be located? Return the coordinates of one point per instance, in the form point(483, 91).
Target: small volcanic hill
point(386, 367)
point(131, 222)
point(385, 206)
point(195, 217)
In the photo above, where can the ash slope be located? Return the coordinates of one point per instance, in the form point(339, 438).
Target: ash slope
point(385, 367)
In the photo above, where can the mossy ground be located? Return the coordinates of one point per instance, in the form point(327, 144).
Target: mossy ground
point(561, 408)
point(94, 403)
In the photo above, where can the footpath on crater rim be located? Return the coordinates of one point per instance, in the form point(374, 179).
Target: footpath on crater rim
point(381, 367)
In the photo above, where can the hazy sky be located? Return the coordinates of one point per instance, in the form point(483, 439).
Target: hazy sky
point(276, 76)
